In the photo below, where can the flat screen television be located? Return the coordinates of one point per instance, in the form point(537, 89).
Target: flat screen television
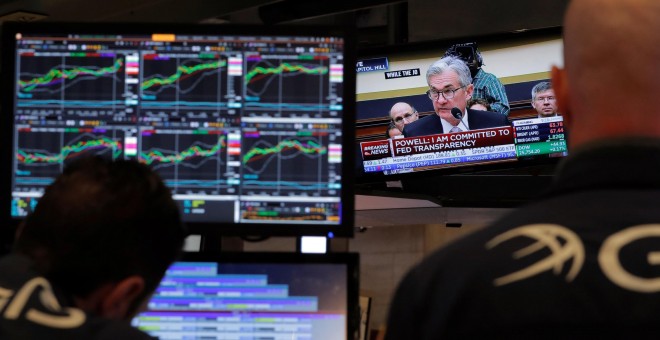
point(248, 125)
point(256, 296)
point(397, 73)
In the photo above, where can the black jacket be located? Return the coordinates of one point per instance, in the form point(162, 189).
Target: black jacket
point(31, 308)
point(579, 263)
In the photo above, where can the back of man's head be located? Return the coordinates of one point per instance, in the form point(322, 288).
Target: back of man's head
point(610, 69)
point(101, 222)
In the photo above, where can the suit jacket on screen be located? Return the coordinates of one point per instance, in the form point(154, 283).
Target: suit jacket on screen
point(431, 124)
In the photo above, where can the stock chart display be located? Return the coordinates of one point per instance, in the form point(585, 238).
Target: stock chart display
point(290, 86)
point(241, 128)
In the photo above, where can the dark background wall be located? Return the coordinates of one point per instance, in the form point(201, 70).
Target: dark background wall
point(380, 22)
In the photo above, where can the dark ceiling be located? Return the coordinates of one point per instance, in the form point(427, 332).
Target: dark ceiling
point(379, 22)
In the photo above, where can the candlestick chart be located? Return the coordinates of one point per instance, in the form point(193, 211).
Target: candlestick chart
point(42, 154)
point(187, 159)
point(287, 85)
point(282, 164)
point(184, 81)
point(71, 79)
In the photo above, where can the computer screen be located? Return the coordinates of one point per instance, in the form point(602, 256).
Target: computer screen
point(248, 125)
point(256, 296)
point(397, 74)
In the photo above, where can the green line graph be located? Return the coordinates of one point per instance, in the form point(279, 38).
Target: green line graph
point(191, 152)
point(284, 67)
point(182, 71)
point(308, 148)
point(70, 151)
point(57, 75)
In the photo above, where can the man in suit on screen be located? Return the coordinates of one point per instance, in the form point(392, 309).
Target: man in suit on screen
point(450, 87)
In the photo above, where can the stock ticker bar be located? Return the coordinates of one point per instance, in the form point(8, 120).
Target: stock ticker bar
point(526, 138)
point(539, 136)
point(408, 154)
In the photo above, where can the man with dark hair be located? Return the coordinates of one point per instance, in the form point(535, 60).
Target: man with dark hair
point(90, 255)
point(478, 104)
point(581, 262)
point(450, 87)
point(392, 131)
point(486, 85)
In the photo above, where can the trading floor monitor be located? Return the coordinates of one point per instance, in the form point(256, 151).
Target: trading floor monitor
point(256, 296)
point(250, 126)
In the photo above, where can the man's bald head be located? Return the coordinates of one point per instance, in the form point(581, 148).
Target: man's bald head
point(611, 48)
point(400, 107)
point(403, 113)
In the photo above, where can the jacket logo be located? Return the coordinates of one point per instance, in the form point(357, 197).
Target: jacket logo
point(55, 315)
point(566, 246)
point(563, 243)
point(608, 258)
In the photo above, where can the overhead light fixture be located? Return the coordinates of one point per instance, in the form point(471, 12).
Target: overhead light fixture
point(215, 21)
point(22, 16)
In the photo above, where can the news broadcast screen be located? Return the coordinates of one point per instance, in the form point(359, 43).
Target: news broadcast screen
point(532, 132)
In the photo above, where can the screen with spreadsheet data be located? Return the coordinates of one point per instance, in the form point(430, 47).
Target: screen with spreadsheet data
point(247, 125)
point(255, 296)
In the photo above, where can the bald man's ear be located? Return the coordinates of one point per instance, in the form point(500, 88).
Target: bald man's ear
point(19, 230)
point(121, 297)
point(560, 87)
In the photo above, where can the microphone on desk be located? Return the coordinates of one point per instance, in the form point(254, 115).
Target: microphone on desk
point(456, 112)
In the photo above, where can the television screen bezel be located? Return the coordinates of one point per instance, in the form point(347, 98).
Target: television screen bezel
point(376, 179)
point(343, 229)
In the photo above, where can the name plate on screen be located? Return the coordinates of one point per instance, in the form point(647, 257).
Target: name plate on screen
point(413, 72)
point(371, 65)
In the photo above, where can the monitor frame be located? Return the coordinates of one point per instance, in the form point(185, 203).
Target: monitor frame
point(376, 180)
point(344, 228)
point(351, 260)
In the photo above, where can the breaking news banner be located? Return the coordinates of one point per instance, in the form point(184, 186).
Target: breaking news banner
point(405, 154)
point(453, 141)
point(376, 150)
point(433, 143)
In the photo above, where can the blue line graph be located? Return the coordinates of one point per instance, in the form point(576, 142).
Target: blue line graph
point(196, 183)
point(294, 106)
point(39, 181)
point(94, 103)
point(186, 103)
point(288, 184)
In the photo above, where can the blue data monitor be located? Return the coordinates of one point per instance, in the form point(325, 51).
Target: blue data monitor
point(255, 296)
